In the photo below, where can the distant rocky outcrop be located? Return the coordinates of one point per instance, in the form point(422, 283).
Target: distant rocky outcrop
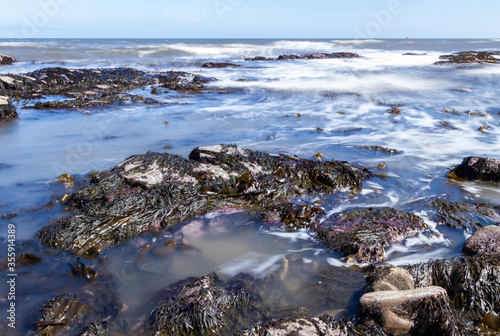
point(306, 56)
point(470, 57)
point(6, 60)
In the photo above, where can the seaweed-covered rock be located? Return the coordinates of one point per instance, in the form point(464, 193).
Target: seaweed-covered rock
point(470, 57)
point(7, 109)
point(92, 87)
point(409, 311)
point(477, 168)
point(390, 279)
point(485, 241)
point(201, 307)
point(219, 65)
point(471, 282)
point(363, 234)
point(151, 192)
point(306, 56)
point(463, 216)
point(6, 60)
point(324, 325)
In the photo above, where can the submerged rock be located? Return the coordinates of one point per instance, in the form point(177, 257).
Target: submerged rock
point(6, 60)
point(363, 234)
point(7, 109)
point(470, 57)
point(306, 56)
point(471, 282)
point(477, 168)
point(151, 192)
point(422, 311)
point(485, 241)
point(463, 216)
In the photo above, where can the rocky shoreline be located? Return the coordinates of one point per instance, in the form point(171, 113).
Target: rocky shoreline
point(155, 192)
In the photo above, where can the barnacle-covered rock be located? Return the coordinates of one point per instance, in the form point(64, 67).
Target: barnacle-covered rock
point(485, 241)
point(155, 191)
point(7, 109)
point(363, 234)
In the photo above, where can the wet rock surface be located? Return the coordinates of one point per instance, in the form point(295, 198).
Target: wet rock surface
point(471, 57)
point(306, 56)
point(477, 168)
point(363, 234)
point(152, 192)
point(485, 241)
point(6, 60)
point(422, 311)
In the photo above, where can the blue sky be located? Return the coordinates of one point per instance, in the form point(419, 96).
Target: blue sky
point(250, 18)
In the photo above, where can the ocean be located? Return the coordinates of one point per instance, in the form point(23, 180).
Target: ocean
point(334, 106)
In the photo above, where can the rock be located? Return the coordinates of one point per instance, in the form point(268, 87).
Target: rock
point(471, 282)
point(363, 234)
point(485, 241)
point(6, 60)
point(418, 311)
point(470, 57)
point(324, 325)
point(219, 65)
point(381, 149)
point(7, 109)
point(477, 168)
point(390, 279)
point(93, 87)
point(463, 216)
point(306, 56)
point(155, 191)
point(200, 307)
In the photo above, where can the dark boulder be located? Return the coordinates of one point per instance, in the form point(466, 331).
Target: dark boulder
point(155, 191)
point(6, 60)
point(477, 168)
point(7, 109)
point(485, 241)
point(363, 234)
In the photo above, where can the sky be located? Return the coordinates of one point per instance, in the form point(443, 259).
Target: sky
point(250, 19)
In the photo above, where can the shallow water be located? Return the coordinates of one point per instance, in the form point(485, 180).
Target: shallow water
point(339, 102)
